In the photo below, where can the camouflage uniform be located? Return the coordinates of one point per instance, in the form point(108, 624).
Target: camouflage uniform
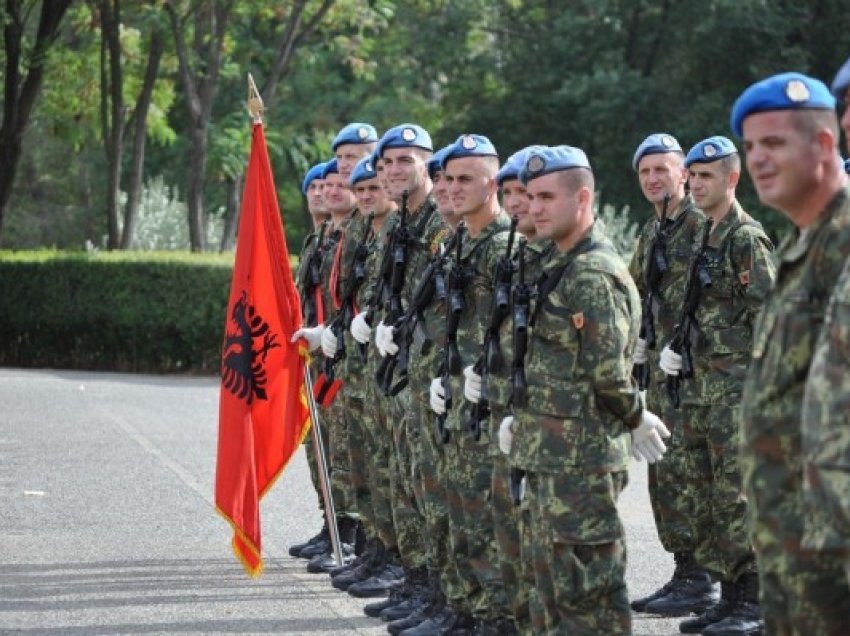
point(826, 442)
point(672, 506)
point(738, 259)
point(508, 518)
point(468, 468)
point(573, 438)
point(802, 592)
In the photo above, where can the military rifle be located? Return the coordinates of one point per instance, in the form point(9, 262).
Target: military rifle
point(522, 312)
point(683, 333)
point(311, 278)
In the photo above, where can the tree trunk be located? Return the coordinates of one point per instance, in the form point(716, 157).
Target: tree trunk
point(195, 189)
point(20, 93)
point(112, 112)
point(134, 187)
point(231, 217)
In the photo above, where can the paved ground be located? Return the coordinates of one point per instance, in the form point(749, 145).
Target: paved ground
point(108, 525)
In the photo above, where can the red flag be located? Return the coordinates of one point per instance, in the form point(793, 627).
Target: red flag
point(263, 412)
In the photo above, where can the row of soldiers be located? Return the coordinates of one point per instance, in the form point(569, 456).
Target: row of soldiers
point(489, 364)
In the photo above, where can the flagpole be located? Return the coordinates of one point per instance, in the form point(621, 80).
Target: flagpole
point(324, 479)
point(255, 109)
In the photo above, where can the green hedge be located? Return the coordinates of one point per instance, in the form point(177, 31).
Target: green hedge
point(121, 311)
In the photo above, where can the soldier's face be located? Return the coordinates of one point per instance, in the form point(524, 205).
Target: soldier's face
point(405, 169)
point(338, 197)
point(441, 193)
point(347, 156)
point(709, 184)
point(517, 203)
point(314, 197)
point(783, 162)
point(845, 120)
point(371, 197)
point(553, 206)
point(470, 184)
point(661, 174)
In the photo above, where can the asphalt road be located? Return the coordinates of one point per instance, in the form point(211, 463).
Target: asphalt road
point(108, 526)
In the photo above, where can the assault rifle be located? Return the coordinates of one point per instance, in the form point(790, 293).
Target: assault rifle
point(522, 312)
point(656, 266)
point(682, 342)
point(491, 359)
point(311, 278)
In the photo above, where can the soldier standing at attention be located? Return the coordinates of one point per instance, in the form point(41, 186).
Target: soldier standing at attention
point(667, 242)
point(737, 258)
point(790, 132)
point(572, 438)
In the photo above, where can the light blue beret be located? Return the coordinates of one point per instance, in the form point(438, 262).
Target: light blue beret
point(330, 167)
point(312, 174)
point(514, 164)
point(710, 149)
point(355, 133)
point(546, 159)
point(655, 144)
point(786, 91)
point(364, 170)
point(842, 81)
point(469, 146)
point(435, 163)
point(405, 136)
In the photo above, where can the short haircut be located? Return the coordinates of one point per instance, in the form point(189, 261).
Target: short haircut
point(809, 121)
point(576, 178)
point(731, 163)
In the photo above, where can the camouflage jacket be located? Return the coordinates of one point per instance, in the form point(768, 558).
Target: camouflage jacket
point(739, 260)
point(683, 233)
point(581, 396)
point(808, 267)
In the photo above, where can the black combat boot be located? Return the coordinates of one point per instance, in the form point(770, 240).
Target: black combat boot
point(440, 623)
point(380, 583)
point(398, 594)
point(371, 560)
point(322, 537)
point(715, 613)
point(411, 612)
point(744, 618)
point(692, 592)
point(639, 605)
point(326, 561)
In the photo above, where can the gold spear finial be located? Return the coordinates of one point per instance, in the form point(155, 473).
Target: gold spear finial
point(255, 102)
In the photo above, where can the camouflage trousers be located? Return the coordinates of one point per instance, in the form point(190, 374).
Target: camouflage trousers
point(711, 441)
point(334, 419)
point(672, 506)
point(407, 518)
point(578, 553)
point(468, 474)
point(361, 486)
point(514, 566)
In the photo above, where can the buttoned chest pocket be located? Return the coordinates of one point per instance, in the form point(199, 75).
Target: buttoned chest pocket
point(717, 309)
point(679, 262)
point(554, 349)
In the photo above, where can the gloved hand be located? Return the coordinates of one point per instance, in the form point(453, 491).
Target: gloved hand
point(389, 345)
point(437, 398)
point(506, 434)
point(671, 362)
point(646, 438)
point(379, 339)
point(329, 343)
point(640, 352)
point(311, 335)
point(472, 385)
point(360, 329)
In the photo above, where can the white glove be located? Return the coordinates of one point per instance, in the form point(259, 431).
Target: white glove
point(379, 339)
point(360, 329)
point(506, 434)
point(312, 335)
point(646, 438)
point(472, 385)
point(329, 343)
point(640, 352)
point(671, 362)
point(389, 345)
point(438, 396)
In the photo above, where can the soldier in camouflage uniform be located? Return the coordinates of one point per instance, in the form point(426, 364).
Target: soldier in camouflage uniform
point(790, 134)
point(737, 257)
point(572, 435)
point(470, 168)
point(659, 163)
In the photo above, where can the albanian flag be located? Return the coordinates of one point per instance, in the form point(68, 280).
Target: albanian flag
point(263, 413)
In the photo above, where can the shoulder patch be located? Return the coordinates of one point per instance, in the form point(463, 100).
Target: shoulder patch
point(578, 320)
point(744, 277)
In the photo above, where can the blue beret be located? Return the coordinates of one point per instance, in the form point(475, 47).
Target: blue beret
point(312, 174)
point(435, 163)
point(710, 149)
point(514, 164)
point(656, 144)
point(469, 146)
point(364, 170)
point(786, 91)
point(847, 166)
point(842, 81)
point(543, 160)
point(355, 133)
point(330, 167)
point(405, 136)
